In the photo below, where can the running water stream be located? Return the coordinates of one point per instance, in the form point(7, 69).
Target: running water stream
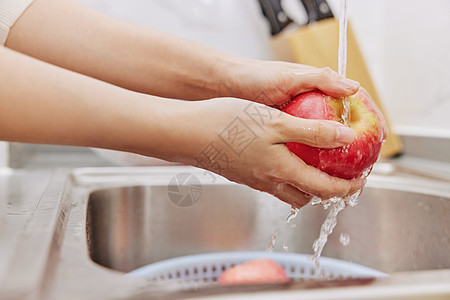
point(342, 56)
point(335, 204)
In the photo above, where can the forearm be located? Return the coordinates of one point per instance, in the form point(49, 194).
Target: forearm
point(41, 103)
point(70, 35)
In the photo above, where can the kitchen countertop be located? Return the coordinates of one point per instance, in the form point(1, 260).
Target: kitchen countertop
point(21, 191)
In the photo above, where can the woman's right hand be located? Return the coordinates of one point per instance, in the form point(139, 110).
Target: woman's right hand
point(246, 143)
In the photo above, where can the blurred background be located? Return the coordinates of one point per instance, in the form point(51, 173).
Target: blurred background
point(405, 43)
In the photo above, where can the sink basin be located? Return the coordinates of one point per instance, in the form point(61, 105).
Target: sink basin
point(401, 224)
point(113, 220)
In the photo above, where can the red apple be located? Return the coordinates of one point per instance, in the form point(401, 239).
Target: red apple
point(258, 271)
point(349, 161)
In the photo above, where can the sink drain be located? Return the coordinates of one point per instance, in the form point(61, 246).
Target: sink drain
point(208, 267)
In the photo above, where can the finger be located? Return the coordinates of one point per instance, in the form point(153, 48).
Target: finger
point(291, 195)
point(316, 133)
point(315, 182)
point(328, 81)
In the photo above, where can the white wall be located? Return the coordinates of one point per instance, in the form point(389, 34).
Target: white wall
point(406, 44)
point(234, 26)
point(407, 47)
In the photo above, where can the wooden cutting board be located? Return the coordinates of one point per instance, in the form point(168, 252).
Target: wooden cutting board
point(317, 44)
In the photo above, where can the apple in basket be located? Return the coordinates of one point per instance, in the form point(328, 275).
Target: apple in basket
point(258, 271)
point(366, 120)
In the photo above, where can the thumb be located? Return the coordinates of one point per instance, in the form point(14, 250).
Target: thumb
point(316, 133)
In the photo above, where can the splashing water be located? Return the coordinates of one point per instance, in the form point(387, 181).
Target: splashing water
point(292, 215)
point(344, 239)
point(273, 241)
point(342, 56)
point(336, 205)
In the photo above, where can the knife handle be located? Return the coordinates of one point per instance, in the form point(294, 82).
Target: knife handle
point(317, 10)
point(275, 14)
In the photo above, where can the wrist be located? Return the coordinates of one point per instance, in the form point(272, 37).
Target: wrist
point(231, 80)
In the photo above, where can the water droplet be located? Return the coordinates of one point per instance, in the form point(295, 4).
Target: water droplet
point(273, 241)
point(292, 215)
point(367, 171)
point(315, 201)
point(344, 239)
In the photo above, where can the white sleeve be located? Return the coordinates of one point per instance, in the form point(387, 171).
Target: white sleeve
point(10, 11)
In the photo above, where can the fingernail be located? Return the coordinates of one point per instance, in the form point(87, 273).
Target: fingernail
point(350, 84)
point(345, 135)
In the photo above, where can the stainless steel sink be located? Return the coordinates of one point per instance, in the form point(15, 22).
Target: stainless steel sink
point(124, 218)
point(390, 230)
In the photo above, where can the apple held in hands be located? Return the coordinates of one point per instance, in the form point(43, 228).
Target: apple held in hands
point(366, 120)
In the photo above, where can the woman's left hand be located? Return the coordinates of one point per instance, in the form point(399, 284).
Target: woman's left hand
point(275, 83)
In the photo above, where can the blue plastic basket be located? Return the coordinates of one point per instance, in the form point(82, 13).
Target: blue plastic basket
point(208, 267)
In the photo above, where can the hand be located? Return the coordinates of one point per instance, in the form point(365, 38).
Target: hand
point(275, 83)
point(245, 142)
